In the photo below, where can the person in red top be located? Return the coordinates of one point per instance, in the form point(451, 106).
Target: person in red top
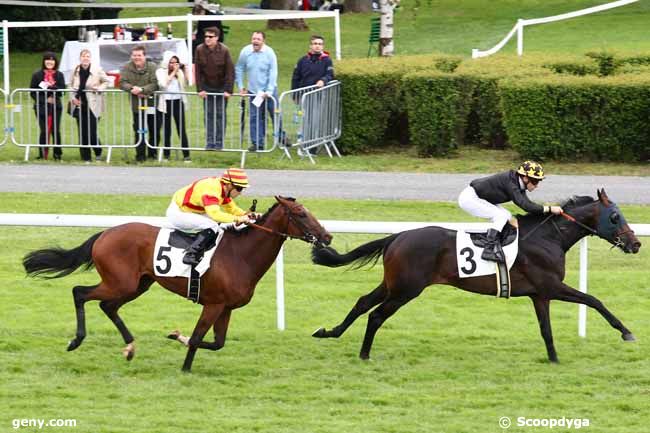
point(206, 204)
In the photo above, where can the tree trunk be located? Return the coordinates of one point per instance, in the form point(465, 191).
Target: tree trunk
point(386, 47)
point(358, 5)
point(298, 24)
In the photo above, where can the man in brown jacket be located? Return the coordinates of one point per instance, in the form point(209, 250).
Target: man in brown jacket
point(215, 73)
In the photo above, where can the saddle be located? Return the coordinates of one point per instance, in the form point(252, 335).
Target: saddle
point(508, 236)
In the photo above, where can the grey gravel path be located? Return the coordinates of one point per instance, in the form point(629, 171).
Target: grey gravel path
point(98, 179)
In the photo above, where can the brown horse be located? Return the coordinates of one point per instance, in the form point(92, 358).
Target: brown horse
point(123, 257)
point(418, 258)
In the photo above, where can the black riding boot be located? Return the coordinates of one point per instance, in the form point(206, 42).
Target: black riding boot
point(194, 253)
point(493, 251)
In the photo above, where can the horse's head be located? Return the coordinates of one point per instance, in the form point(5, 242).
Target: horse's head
point(302, 224)
point(613, 227)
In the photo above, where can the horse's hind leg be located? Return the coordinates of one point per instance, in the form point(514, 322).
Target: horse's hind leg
point(80, 296)
point(379, 315)
point(110, 307)
point(570, 294)
point(542, 308)
point(363, 305)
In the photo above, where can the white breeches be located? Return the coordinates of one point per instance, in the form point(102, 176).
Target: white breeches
point(476, 206)
point(189, 221)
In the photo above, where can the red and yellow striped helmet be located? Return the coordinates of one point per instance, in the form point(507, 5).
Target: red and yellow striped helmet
point(235, 176)
point(531, 169)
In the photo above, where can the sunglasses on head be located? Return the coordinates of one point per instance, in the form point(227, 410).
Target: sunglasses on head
point(239, 188)
point(533, 180)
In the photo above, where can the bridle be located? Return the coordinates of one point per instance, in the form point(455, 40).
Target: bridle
point(306, 235)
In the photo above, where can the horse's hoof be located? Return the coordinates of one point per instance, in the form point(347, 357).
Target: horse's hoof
point(129, 351)
point(319, 333)
point(174, 335)
point(364, 356)
point(73, 344)
point(628, 337)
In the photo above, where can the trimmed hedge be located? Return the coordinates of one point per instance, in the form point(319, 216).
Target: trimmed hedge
point(592, 107)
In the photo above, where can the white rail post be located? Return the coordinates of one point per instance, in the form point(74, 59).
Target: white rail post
point(5, 53)
point(279, 289)
point(582, 309)
point(190, 54)
point(337, 34)
point(520, 37)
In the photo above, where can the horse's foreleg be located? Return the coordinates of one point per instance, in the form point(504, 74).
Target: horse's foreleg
point(80, 296)
point(542, 308)
point(220, 329)
point(363, 305)
point(570, 294)
point(208, 317)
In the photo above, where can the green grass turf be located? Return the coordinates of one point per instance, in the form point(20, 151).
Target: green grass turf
point(449, 361)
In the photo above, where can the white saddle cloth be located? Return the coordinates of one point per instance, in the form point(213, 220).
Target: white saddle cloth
point(168, 260)
point(468, 256)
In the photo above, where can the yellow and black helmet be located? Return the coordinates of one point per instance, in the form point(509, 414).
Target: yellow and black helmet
point(531, 169)
point(235, 176)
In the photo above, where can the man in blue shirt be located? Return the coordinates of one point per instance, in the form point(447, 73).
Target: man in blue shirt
point(259, 63)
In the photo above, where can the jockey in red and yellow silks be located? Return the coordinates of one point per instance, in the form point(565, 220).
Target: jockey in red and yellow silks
point(206, 203)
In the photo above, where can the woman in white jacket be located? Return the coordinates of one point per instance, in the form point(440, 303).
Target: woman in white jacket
point(171, 80)
point(88, 80)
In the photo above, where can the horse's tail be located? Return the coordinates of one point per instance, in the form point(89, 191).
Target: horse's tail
point(364, 254)
point(64, 262)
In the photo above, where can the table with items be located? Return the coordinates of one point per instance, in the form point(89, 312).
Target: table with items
point(112, 55)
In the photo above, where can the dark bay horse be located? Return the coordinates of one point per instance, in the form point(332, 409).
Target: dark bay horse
point(418, 258)
point(123, 258)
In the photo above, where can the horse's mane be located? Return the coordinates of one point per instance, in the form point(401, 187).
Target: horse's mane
point(577, 201)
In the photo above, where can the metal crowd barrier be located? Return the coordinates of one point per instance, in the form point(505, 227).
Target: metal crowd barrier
point(4, 98)
point(307, 118)
point(311, 119)
point(213, 123)
point(35, 123)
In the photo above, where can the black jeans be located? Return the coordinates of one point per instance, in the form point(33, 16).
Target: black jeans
point(87, 127)
point(148, 122)
point(174, 108)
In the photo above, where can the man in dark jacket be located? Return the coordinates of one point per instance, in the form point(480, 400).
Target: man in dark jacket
point(483, 196)
point(138, 77)
point(215, 76)
point(315, 68)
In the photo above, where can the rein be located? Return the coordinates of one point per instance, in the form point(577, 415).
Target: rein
point(307, 237)
point(584, 226)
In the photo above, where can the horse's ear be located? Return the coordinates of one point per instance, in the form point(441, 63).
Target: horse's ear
point(602, 196)
point(278, 198)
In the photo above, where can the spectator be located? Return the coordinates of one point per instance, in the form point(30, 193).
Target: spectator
point(47, 105)
point(171, 79)
point(259, 63)
point(214, 74)
point(315, 68)
point(198, 39)
point(138, 77)
point(87, 78)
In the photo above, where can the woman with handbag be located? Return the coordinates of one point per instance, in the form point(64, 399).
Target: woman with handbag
point(47, 104)
point(87, 103)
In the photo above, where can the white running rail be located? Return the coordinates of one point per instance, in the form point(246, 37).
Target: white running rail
point(521, 23)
